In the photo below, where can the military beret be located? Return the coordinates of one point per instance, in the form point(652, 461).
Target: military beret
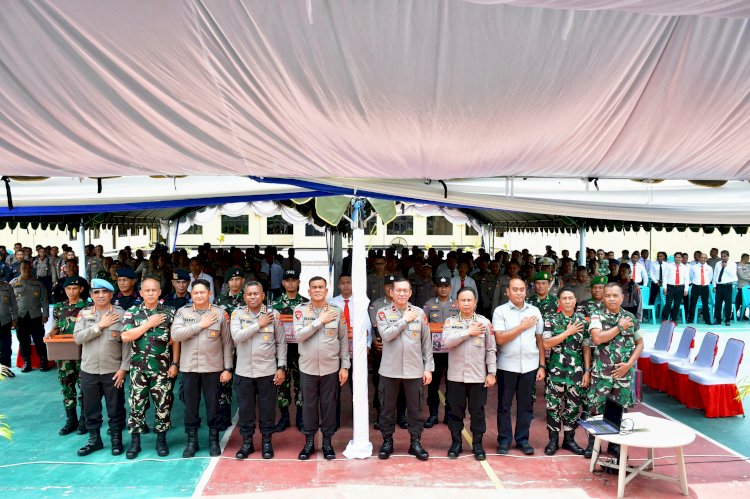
point(74, 281)
point(180, 275)
point(600, 279)
point(126, 272)
point(442, 281)
point(234, 272)
point(389, 279)
point(102, 284)
point(291, 274)
point(542, 276)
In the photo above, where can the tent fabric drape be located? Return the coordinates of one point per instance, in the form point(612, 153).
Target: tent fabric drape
point(453, 215)
point(369, 89)
point(260, 208)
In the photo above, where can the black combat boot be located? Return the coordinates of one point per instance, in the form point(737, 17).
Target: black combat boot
point(94, 444)
point(71, 423)
point(432, 420)
point(416, 449)
point(43, 365)
point(192, 444)
point(569, 443)
point(387, 448)
point(213, 442)
point(309, 448)
point(589, 448)
point(116, 440)
point(26, 365)
point(266, 447)
point(161, 443)
point(283, 423)
point(554, 442)
point(135, 446)
point(81, 424)
point(477, 448)
point(247, 447)
point(328, 451)
point(455, 448)
point(298, 418)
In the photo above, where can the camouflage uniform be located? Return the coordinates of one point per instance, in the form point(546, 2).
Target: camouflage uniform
point(286, 305)
point(547, 306)
point(148, 368)
point(565, 370)
point(64, 314)
point(606, 355)
point(590, 308)
point(229, 303)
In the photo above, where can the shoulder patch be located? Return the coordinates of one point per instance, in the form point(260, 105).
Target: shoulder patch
point(127, 316)
point(381, 315)
point(298, 315)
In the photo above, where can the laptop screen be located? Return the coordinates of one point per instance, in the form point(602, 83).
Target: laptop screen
point(613, 412)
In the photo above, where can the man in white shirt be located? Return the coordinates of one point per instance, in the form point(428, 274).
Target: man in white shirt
point(196, 273)
point(462, 280)
point(656, 275)
point(675, 288)
point(725, 274)
point(701, 276)
point(646, 262)
point(638, 273)
point(520, 364)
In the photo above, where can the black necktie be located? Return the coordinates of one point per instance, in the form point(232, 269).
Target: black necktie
point(661, 275)
point(721, 274)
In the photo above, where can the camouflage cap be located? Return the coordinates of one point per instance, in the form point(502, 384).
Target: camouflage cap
point(600, 279)
point(542, 276)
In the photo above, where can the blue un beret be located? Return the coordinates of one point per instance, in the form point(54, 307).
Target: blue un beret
point(102, 284)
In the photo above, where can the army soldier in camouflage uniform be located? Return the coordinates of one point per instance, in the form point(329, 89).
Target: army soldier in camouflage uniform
point(258, 334)
point(180, 297)
point(33, 312)
point(105, 360)
point(323, 339)
point(472, 364)
point(285, 304)
point(439, 309)
point(206, 362)
point(407, 361)
point(229, 301)
point(147, 327)
point(619, 343)
point(595, 304)
point(542, 299)
point(64, 315)
point(568, 371)
point(8, 318)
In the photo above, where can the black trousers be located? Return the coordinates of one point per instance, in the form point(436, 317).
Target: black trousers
point(26, 329)
point(698, 291)
point(47, 282)
point(723, 297)
point(400, 402)
point(93, 387)
point(6, 344)
point(672, 302)
point(520, 386)
point(441, 371)
point(320, 397)
point(248, 390)
point(457, 394)
point(193, 384)
point(655, 290)
point(413, 391)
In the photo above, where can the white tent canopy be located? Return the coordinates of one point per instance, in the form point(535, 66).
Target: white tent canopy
point(370, 89)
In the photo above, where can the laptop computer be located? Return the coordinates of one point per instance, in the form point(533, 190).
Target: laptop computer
point(609, 424)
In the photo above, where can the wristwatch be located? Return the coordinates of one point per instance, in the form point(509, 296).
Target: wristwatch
point(542, 366)
point(283, 368)
point(620, 328)
point(176, 364)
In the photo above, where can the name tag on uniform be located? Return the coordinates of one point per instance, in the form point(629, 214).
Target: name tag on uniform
point(415, 326)
point(334, 324)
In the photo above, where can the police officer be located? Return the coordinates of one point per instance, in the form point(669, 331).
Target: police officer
point(180, 297)
point(619, 343)
point(542, 299)
point(8, 318)
point(568, 371)
point(64, 315)
point(472, 363)
point(258, 334)
point(285, 304)
point(105, 360)
point(229, 301)
point(33, 312)
point(206, 362)
point(128, 295)
point(407, 360)
point(438, 310)
point(320, 330)
point(147, 327)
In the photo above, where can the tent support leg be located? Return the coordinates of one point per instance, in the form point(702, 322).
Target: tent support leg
point(81, 249)
point(582, 246)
